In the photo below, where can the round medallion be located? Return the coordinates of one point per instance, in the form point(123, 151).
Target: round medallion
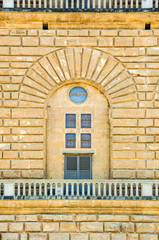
point(78, 94)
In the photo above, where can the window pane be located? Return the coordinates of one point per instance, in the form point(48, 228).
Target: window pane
point(85, 120)
point(84, 163)
point(70, 140)
point(71, 163)
point(78, 94)
point(70, 120)
point(71, 167)
point(85, 140)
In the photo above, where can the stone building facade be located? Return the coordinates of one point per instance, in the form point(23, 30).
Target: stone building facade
point(115, 59)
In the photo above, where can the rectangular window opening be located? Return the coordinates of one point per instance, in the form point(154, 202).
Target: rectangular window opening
point(147, 26)
point(45, 26)
point(70, 121)
point(85, 140)
point(85, 120)
point(70, 140)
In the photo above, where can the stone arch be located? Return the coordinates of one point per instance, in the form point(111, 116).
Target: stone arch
point(77, 63)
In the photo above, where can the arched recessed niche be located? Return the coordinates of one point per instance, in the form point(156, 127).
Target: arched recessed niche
point(96, 105)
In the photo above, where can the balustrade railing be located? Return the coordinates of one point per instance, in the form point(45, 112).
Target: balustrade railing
point(82, 189)
point(80, 5)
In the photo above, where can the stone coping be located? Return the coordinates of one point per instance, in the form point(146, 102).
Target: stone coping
point(59, 206)
point(74, 20)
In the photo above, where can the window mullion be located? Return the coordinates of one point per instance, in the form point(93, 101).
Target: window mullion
point(78, 167)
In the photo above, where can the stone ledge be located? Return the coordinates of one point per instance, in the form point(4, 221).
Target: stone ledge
point(79, 206)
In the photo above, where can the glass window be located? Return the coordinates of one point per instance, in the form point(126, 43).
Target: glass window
point(70, 140)
point(85, 120)
point(78, 94)
point(85, 140)
point(78, 167)
point(70, 120)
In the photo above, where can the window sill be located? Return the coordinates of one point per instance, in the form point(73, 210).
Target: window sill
point(78, 151)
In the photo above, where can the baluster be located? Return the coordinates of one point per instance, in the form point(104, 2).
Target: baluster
point(94, 4)
point(39, 3)
point(132, 4)
point(18, 3)
point(104, 190)
point(56, 4)
point(72, 4)
point(40, 189)
point(29, 189)
point(18, 189)
point(94, 190)
point(137, 4)
point(88, 189)
point(121, 4)
point(28, 3)
point(126, 189)
point(115, 189)
point(56, 189)
point(99, 4)
point(109, 189)
point(0, 189)
point(50, 3)
point(110, 3)
point(77, 4)
point(67, 4)
point(116, 4)
point(45, 3)
point(83, 192)
point(45, 189)
point(137, 190)
point(156, 190)
point(66, 189)
point(72, 190)
point(99, 190)
point(24, 190)
point(83, 4)
point(34, 190)
point(131, 189)
point(156, 4)
point(23, 4)
point(51, 193)
point(62, 192)
point(61, 4)
point(126, 4)
point(120, 189)
point(88, 4)
point(34, 3)
point(104, 4)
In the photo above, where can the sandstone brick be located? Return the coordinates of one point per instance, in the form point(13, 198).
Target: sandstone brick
point(4, 164)
point(91, 227)
point(145, 155)
point(152, 113)
point(7, 218)
point(131, 236)
point(3, 227)
point(124, 139)
point(50, 227)
point(105, 42)
point(99, 236)
point(76, 41)
point(10, 236)
point(109, 33)
point(11, 174)
point(56, 218)
point(61, 32)
point(68, 227)
point(32, 155)
point(37, 236)
point(128, 131)
point(4, 32)
point(144, 218)
point(128, 33)
point(32, 227)
point(24, 164)
point(30, 41)
point(33, 174)
point(145, 174)
point(85, 218)
point(50, 32)
point(129, 164)
point(81, 32)
point(125, 41)
point(5, 113)
point(145, 227)
point(145, 33)
point(26, 218)
point(27, 146)
point(128, 113)
point(112, 227)
point(23, 236)
point(27, 113)
point(145, 122)
point(10, 123)
point(10, 138)
point(129, 146)
point(119, 236)
point(79, 236)
point(32, 32)
point(118, 174)
point(145, 42)
point(123, 155)
point(46, 41)
point(10, 155)
point(59, 236)
point(30, 51)
point(32, 123)
point(17, 32)
point(148, 237)
point(10, 41)
point(26, 130)
point(127, 227)
point(16, 227)
point(146, 139)
point(94, 33)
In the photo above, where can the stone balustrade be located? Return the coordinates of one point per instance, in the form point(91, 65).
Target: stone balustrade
point(78, 189)
point(80, 5)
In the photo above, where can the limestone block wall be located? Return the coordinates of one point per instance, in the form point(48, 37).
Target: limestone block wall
point(122, 63)
point(79, 227)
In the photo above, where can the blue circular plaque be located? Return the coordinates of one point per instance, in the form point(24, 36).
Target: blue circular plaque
point(78, 94)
